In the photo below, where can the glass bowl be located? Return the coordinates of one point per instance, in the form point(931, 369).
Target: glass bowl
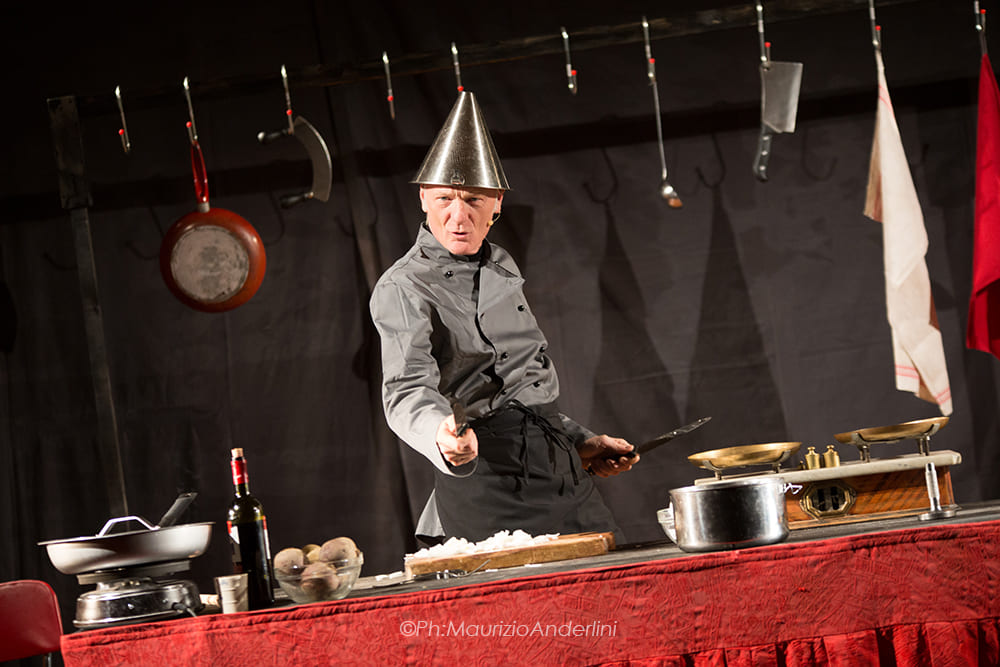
point(322, 580)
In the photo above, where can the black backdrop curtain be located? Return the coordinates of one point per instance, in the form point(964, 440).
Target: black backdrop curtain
point(759, 304)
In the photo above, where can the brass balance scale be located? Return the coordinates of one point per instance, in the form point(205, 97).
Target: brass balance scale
point(823, 490)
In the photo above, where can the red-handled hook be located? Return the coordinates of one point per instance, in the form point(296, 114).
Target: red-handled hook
point(197, 160)
point(200, 174)
point(123, 130)
point(192, 129)
point(458, 68)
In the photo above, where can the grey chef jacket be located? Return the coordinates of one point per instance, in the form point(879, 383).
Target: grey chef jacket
point(456, 325)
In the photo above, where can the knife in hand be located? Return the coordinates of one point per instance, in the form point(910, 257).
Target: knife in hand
point(461, 418)
point(666, 437)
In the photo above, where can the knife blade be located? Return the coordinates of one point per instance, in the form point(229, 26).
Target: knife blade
point(461, 418)
point(666, 437)
point(319, 156)
point(779, 99)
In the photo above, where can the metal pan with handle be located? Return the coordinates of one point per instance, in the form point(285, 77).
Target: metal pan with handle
point(211, 259)
point(155, 544)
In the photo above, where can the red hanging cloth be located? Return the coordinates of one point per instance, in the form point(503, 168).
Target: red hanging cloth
point(983, 331)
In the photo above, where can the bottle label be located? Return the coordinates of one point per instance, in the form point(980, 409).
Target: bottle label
point(239, 467)
point(234, 539)
point(234, 543)
point(252, 555)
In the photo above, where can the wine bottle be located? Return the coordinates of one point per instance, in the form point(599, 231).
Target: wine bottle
point(247, 528)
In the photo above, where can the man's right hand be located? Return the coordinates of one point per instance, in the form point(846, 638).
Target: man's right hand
point(456, 450)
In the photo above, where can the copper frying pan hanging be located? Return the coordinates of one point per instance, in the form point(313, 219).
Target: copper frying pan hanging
point(212, 259)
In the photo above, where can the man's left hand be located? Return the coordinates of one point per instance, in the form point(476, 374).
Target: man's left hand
point(604, 455)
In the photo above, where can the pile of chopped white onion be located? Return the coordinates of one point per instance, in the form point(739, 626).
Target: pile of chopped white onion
point(458, 546)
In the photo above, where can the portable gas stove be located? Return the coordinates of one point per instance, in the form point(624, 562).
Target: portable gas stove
point(130, 567)
point(136, 594)
point(823, 491)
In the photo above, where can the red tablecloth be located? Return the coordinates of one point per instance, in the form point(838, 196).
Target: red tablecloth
point(924, 596)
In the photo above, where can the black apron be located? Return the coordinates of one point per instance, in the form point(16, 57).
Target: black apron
point(528, 476)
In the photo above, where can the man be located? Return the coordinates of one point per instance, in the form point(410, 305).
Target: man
point(455, 326)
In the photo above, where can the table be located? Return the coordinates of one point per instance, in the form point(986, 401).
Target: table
point(903, 596)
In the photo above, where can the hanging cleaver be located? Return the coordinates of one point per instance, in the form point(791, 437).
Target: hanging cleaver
point(779, 102)
point(319, 155)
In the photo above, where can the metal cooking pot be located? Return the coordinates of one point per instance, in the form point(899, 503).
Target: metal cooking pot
point(729, 514)
point(138, 547)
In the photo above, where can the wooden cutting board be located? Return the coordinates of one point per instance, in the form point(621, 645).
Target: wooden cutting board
point(564, 547)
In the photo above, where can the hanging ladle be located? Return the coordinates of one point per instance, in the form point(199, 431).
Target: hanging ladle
point(667, 191)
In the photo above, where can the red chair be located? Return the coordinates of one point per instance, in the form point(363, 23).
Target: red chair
point(29, 620)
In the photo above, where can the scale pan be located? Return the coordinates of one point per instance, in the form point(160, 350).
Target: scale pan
point(914, 429)
point(745, 455)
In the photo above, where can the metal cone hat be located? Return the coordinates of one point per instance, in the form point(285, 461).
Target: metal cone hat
point(463, 152)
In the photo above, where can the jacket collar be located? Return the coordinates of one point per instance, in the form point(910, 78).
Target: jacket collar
point(432, 249)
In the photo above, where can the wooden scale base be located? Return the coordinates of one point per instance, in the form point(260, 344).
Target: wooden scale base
point(863, 490)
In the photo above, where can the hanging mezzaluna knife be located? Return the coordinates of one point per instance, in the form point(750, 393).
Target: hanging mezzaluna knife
point(319, 154)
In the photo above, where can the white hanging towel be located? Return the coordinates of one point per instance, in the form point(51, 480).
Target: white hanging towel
point(891, 199)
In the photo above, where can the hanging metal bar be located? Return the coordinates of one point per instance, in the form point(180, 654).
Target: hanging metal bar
point(764, 55)
point(123, 130)
point(191, 127)
point(458, 68)
point(876, 28)
point(388, 86)
point(288, 102)
point(585, 39)
point(570, 72)
point(980, 15)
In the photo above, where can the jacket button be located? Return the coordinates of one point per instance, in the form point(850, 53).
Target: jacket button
point(449, 274)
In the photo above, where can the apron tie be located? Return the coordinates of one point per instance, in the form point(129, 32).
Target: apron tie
point(555, 437)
